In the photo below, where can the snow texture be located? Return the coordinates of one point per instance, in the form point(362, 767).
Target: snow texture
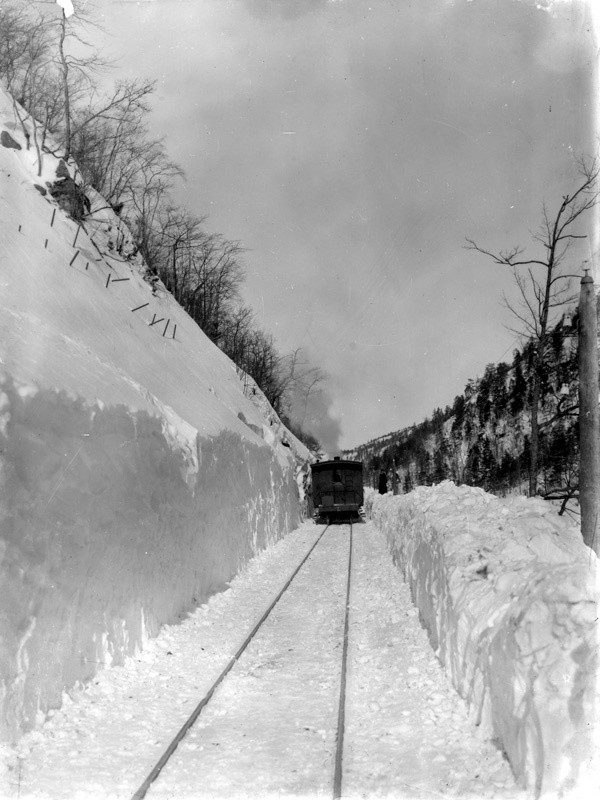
point(67, 7)
point(269, 730)
point(509, 596)
point(136, 475)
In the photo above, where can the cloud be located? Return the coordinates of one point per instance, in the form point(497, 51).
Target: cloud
point(416, 125)
point(287, 9)
point(315, 416)
point(550, 5)
point(325, 427)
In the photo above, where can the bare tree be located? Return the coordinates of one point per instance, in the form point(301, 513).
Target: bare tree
point(216, 277)
point(544, 283)
point(177, 236)
point(76, 71)
point(235, 333)
point(25, 46)
point(110, 141)
point(47, 45)
point(106, 132)
point(25, 53)
point(300, 381)
point(147, 192)
point(39, 71)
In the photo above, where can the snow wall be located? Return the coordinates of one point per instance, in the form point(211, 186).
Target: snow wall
point(107, 534)
point(138, 469)
point(509, 596)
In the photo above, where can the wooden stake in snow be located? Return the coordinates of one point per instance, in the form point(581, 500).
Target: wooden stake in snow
point(166, 326)
point(76, 235)
point(589, 416)
point(107, 281)
point(137, 308)
point(174, 330)
point(72, 261)
point(52, 220)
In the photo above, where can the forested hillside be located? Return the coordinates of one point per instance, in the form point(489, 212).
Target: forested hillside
point(482, 439)
point(56, 77)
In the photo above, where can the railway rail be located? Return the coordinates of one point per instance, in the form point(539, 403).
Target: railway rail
point(280, 723)
point(337, 765)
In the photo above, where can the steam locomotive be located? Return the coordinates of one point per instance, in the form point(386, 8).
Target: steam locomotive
point(337, 490)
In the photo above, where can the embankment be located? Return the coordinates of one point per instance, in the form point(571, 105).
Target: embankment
point(112, 527)
point(508, 594)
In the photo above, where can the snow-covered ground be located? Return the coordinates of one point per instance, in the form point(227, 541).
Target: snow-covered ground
point(269, 730)
point(136, 476)
point(508, 593)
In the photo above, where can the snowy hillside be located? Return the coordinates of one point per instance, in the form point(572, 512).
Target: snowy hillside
point(136, 475)
point(508, 594)
point(483, 438)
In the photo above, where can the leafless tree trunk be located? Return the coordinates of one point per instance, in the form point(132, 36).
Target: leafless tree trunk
point(541, 294)
point(589, 416)
point(65, 83)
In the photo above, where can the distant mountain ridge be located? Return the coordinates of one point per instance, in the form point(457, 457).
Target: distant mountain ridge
point(482, 439)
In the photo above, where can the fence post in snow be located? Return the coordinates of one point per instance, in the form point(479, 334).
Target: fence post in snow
point(589, 416)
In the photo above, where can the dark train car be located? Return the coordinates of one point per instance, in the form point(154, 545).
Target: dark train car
point(337, 489)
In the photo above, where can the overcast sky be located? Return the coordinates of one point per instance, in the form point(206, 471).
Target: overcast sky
point(351, 146)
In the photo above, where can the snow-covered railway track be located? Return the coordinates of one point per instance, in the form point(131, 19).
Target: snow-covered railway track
point(339, 751)
point(279, 698)
point(271, 728)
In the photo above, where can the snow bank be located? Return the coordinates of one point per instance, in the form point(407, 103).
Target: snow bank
point(136, 476)
point(508, 594)
point(105, 537)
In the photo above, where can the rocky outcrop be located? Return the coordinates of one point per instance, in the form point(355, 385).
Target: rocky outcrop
point(6, 140)
point(69, 196)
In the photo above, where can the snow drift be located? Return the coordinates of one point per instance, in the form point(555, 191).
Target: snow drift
point(136, 476)
point(508, 594)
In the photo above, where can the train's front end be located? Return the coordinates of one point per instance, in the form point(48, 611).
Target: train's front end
point(337, 489)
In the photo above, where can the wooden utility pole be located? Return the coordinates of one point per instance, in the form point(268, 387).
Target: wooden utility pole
point(589, 416)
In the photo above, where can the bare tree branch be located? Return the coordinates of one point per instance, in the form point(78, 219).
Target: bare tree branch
point(540, 295)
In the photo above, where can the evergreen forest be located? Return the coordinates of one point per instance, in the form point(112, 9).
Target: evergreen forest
point(482, 439)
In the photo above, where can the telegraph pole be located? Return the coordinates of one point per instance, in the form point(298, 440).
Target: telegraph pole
point(589, 416)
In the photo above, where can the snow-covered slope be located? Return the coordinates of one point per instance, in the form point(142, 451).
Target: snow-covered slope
point(509, 596)
point(136, 476)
